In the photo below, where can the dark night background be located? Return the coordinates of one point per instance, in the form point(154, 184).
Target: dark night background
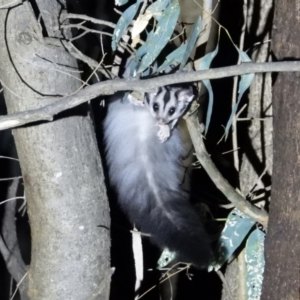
point(203, 285)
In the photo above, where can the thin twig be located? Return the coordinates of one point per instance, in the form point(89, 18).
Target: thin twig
point(236, 160)
point(11, 199)
point(79, 26)
point(10, 178)
point(259, 179)
point(86, 18)
point(8, 157)
point(118, 11)
point(18, 284)
point(230, 151)
point(252, 119)
point(161, 281)
point(89, 61)
point(95, 70)
point(77, 37)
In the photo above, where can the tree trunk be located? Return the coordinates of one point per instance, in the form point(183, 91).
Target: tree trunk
point(60, 162)
point(256, 144)
point(281, 278)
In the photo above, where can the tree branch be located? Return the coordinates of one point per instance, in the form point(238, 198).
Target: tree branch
point(222, 184)
point(47, 112)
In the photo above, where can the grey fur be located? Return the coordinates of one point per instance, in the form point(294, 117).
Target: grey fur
point(147, 174)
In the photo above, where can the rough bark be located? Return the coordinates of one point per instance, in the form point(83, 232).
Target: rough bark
point(258, 157)
point(281, 278)
point(60, 162)
point(257, 146)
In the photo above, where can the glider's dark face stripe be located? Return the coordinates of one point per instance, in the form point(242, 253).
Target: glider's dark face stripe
point(160, 90)
point(167, 97)
point(147, 98)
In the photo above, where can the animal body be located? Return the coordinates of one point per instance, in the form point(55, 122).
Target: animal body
point(143, 150)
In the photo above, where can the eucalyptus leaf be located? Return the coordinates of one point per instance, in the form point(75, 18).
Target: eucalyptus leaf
point(191, 42)
point(236, 229)
point(124, 21)
point(161, 35)
point(132, 67)
point(174, 58)
point(207, 59)
point(156, 8)
point(207, 84)
point(204, 65)
point(146, 47)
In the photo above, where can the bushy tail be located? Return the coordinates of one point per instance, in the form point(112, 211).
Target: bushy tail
point(172, 222)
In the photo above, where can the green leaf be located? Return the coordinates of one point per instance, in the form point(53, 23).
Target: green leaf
point(236, 229)
point(174, 58)
point(145, 48)
point(207, 84)
point(161, 35)
point(191, 42)
point(204, 65)
point(131, 66)
point(255, 260)
point(207, 59)
point(156, 8)
point(123, 23)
